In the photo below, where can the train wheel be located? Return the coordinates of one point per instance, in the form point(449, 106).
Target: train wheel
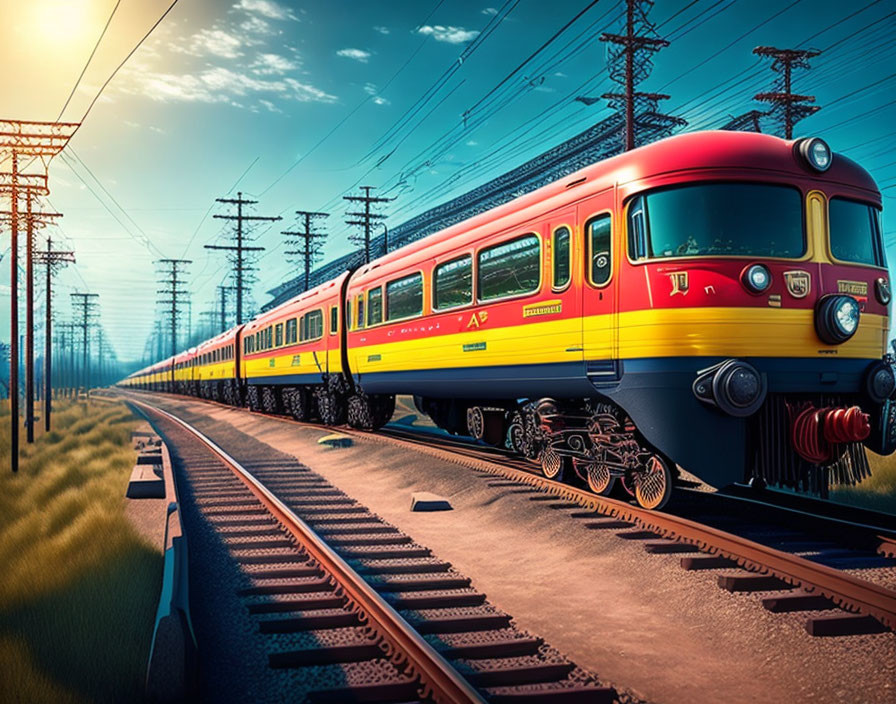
point(252, 399)
point(653, 484)
point(299, 404)
point(553, 465)
point(599, 479)
point(516, 433)
point(330, 407)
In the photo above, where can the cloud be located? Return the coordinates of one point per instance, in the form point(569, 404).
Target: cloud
point(380, 100)
point(382, 30)
point(219, 85)
point(451, 35)
point(356, 54)
point(267, 8)
point(472, 143)
point(371, 89)
point(270, 106)
point(490, 11)
point(272, 64)
point(212, 41)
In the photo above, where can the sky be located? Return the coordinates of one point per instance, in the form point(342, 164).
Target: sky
point(296, 104)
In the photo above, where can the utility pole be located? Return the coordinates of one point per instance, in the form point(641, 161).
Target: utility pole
point(633, 68)
point(365, 219)
point(173, 295)
point(51, 259)
point(791, 106)
point(88, 312)
point(223, 291)
point(307, 240)
point(240, 249)
point(41, 141)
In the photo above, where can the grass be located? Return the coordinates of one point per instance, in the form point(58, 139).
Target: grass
point(877, 492)
point(79, 586)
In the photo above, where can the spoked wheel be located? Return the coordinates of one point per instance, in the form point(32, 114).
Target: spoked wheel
point(598, 476)
point(298, 403)
point(552, 464)
point(252, 399)
point(653, 483)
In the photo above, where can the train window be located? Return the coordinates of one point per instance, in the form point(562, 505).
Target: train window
point(453, 283)
point(278, 335)
point(855, 232)
point(292, 334)
point(348, 314)
point(510, 269)
point(258, 345)
point(334, 319)
point(720, 219)
point(315, 324)
point(599, 243)
point(375, 306)
point(637, 231)
point(269, 337)
point(561, 257)
point(404, 297)
point(360, 311)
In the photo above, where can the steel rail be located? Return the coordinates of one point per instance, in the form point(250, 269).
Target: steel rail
point(849, 592)
point(438, 679)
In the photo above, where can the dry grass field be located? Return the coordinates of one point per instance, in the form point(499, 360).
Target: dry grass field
point(79, 587)
point(878, 492)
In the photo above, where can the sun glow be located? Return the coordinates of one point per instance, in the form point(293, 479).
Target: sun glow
point(60, 21)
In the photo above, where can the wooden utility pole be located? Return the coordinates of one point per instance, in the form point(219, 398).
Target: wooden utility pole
point(793, 107)
point(88, 312)
point(170, 271)
point(365, 219)
point(633, 47)
point(41, 141)
point(240, 236)
point(51, 259)
point(307, 240)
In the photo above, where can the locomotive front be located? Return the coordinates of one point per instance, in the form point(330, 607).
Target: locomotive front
point(753, 338)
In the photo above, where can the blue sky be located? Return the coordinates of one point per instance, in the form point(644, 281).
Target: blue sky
point(228, 95)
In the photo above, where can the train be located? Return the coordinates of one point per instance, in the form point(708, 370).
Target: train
point(716, 302)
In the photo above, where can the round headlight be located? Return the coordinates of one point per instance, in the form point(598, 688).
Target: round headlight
point(837, 318)
point(882, 289)
point(757, 278)
point(816, 153)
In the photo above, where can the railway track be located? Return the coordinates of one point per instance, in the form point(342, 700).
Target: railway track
point(800, 561)
point(356, 595)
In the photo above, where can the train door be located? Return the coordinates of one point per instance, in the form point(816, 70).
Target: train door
point(602, 250)
point(564, 280)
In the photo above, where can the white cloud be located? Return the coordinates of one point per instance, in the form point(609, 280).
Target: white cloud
point(370, 88)
point(472, 143)
point(219, 85)
point(356, 54)
point(267, 8)
point(490, 11)
point(272, 64)
point(451, 35)
point(256, 25)
point(382, 30)
point(212, 41)
point(380, 100)
point(270, 106)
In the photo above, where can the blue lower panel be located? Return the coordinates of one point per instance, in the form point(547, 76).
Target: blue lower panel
point(284, 380)
point(566, 379)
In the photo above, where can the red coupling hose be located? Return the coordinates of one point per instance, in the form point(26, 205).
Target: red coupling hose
point(846, 425)
point(815, 431)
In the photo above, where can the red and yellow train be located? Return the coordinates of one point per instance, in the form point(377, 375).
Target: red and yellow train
point(716, 300)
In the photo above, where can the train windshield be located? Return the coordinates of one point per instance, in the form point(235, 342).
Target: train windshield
point(855, 232)
point(718, 219)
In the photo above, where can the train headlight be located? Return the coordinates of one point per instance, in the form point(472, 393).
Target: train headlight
point(816, 153)
point(734, 386)
point(880, 382)
point(836, 318)
point(757, 278)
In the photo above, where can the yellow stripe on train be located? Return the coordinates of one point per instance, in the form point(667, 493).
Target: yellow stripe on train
point(686, 332)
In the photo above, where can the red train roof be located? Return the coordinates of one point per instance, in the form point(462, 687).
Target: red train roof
point(693, 151)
